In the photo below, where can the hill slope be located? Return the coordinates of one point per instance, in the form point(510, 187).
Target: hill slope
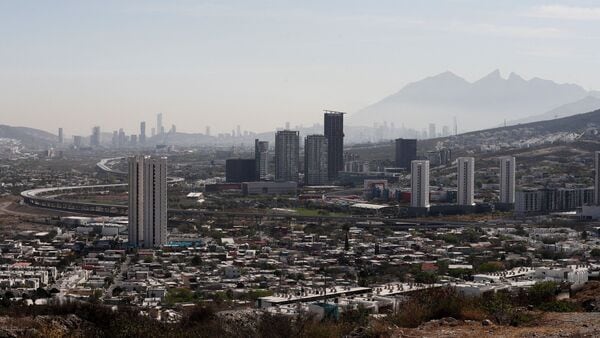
point(28, 136)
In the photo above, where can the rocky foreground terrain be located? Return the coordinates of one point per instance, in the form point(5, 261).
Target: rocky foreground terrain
point(548, 325)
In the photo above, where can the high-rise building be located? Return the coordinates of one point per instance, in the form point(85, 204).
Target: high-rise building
point(153, 132)
point(115, 139)
point(61, 137)
point(445, 131)
point(159, 124)
point(77, 141)
point(334, 132)
point(133, 140)
point(507, 179)
point(95, 138)
point(239, 170)
point(173, 129)
point(142, 132)
point(419, 184)
point(207, 131)
point(122, 140)
point(315, 160)
point(287, 155)
point(261, 158)
point(406, 152)
point(466, 180)
point(147, 201)
point(597, 178)
point(432, 131)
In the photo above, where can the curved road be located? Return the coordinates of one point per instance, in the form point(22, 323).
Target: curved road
point(35, 197)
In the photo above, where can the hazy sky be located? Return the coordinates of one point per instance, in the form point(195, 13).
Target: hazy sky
point(261, 63)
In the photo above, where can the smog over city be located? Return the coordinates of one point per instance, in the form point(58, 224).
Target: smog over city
point(282, 169)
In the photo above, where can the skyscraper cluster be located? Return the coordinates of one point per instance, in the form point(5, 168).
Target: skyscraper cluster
point(323, 154)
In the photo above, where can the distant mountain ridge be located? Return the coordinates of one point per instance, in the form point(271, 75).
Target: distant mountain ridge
point(481, 104)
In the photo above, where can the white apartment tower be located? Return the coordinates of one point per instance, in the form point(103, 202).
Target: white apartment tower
point(419, 184)
point(466, 180)
point(316, 160)
point(147, 201)
point(597, 178)
point(507, 179)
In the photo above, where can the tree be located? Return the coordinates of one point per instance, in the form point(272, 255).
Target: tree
point(595, 252)
point(196, 260)
point(117, 291)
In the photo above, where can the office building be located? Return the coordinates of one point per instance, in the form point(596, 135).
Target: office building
point(597, 178)
point(61, 137)
point(159, 124)
point(142, 132)
point(77, 141)
point(466, 180)
point(95, 138)
point(507, 179)
point(316, 160)
point(406, 152)
point(239, 170)
point(261, 158)
point(147, 201)
point(334, 132)
point(419, 184)
point(432, 131)
point(115, 139)
point(287, 155)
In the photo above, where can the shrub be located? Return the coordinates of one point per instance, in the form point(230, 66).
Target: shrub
point(559, 306)
point(542, 292)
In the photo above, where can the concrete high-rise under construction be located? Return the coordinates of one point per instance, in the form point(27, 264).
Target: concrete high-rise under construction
point(147, 201)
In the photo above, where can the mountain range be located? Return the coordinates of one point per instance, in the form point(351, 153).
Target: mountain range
point(485, 103)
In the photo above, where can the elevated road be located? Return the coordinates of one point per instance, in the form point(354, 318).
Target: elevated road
point(46, 198)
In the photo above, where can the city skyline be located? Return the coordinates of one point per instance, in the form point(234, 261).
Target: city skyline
point(207, 64)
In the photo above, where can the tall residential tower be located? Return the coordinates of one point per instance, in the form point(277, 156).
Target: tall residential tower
point(287, 155)
point(147, 201)
point(315, 160)
point(466, 180)
point(419, 184)
point(507, 179)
